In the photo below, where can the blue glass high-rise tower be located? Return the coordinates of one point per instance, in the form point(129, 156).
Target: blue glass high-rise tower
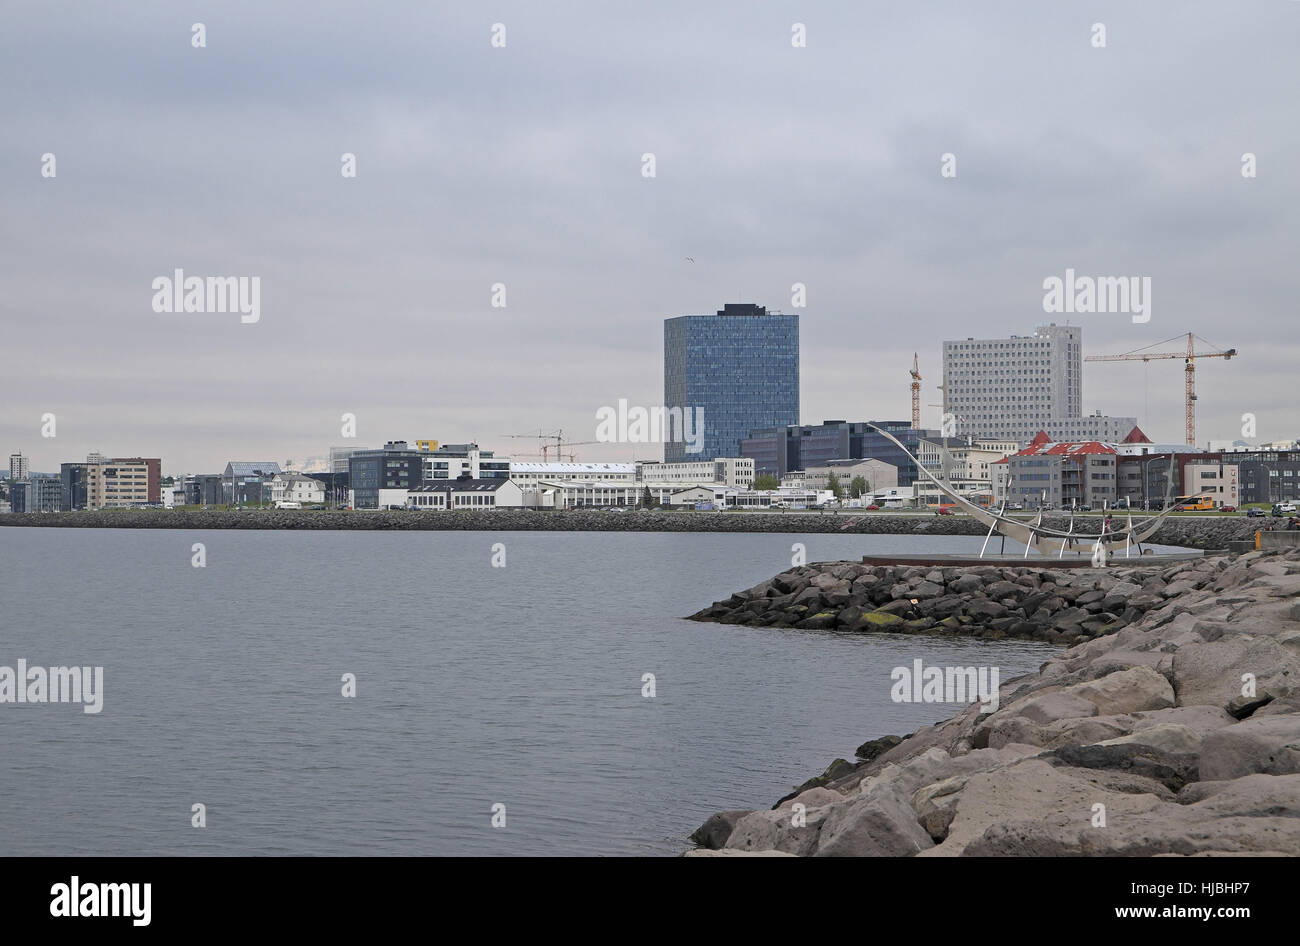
point(740, 366)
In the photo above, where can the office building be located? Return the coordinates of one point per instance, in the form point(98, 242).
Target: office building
point(248, 482)
point(732, 372)
point(727, 471)
point(453, 460)
point(1011, 388)
point(780, 450)
point(970, 466)
point(527, 473)
point(1265, 476)
point(339, 457)
point(72, 486)
point(119, 482)
point(39, 492)
point(203, 489)
point(18, 467)
point(379, 479)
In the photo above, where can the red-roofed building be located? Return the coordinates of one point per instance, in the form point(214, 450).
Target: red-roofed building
point(1061, 474)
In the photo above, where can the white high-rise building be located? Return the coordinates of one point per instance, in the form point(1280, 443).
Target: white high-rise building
point(18, 467)
point(1011, 388)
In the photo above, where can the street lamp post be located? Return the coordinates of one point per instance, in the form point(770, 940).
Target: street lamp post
point(1146, 502)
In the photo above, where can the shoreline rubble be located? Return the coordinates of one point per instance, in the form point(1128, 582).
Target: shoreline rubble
point(1175, 732)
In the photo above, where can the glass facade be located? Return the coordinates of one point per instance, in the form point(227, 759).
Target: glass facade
point(780, 450)
point(739, 367)
point(393, 467)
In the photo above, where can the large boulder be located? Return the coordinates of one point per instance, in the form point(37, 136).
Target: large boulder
point(780, 830)
point(1029, 792)
point(713, 834)
point(1266, 744)
point(879, 822)
point(1257, 814)
point(1127, 691)
point(1210, 672)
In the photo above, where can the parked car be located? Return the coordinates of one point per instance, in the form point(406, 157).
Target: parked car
point(1284, 509)
point(1015, 505)
point(1253, 513)
point(1227, 508)
point(943, 511)
point(873, 508)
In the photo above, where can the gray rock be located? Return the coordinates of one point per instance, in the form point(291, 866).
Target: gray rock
point(875, 747)
point(1209, 672)
point(1127, 691)
point(1267, 744)
point(713, 834)
point(927, 589)
point(879, 822)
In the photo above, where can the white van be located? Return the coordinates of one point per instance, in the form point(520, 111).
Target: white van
point(286, 504)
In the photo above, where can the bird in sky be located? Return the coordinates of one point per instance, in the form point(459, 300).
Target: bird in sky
point(690, 259)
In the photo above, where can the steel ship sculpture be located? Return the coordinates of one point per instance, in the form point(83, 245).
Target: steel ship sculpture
point(1038, 537)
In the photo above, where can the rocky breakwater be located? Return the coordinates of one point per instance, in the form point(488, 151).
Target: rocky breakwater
point(1179, 734)
point(1057, 605)
point(1198, 532)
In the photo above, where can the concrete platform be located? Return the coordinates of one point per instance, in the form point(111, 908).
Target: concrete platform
point(1071, 560)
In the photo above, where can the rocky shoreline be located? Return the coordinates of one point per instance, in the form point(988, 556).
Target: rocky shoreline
point(1197, 533)
point(1173, 729)
point(1056, 605)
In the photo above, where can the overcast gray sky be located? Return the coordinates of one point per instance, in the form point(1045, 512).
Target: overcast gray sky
point(522, 165)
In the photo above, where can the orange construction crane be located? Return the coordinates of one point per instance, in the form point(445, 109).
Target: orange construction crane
point(916, 393)
point(1189, 371)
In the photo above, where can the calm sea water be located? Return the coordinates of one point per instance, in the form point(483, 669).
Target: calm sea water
point(476, 686)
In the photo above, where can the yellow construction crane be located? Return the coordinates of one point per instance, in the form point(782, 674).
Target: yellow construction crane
point(1189, 371)
point(916, 393)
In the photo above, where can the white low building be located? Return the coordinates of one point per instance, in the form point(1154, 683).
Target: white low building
point(724, 471)
point(586, 493)
point(296, 488)
point(466, 493)
point(894, 498)
point(787, 497)
point(876, 473)
point(530, 474)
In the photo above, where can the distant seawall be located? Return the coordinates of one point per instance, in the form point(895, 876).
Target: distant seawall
point(1200, 533)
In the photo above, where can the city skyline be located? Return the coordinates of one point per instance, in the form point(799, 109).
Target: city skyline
point(817, 166)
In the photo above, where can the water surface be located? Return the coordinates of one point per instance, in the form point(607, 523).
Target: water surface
point(475, 686)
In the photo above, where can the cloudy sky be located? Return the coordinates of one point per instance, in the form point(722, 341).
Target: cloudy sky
point(522, 165)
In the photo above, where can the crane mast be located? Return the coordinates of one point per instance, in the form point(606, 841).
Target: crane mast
point(1189, 373)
